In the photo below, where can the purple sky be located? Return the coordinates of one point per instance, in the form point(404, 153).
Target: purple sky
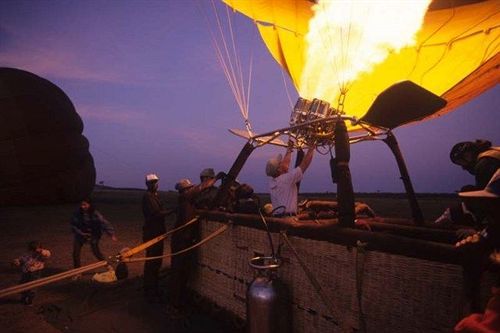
point(144, 78)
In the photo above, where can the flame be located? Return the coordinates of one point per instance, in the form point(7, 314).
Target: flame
point(349, 37)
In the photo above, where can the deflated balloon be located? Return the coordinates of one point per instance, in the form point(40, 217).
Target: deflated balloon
point(44, 158)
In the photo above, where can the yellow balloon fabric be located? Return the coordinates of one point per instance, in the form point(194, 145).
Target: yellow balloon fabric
point(456, 54)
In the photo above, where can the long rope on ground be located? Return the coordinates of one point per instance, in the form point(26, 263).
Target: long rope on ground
point(203, 241)
point(76, 271)
point(310, 276)
point(50, 279)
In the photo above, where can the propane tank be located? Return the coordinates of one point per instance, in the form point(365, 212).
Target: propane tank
point(268, 300)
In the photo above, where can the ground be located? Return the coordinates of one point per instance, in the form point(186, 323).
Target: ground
point(86, 306)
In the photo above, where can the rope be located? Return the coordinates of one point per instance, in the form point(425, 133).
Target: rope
point(273, 254)
point(43, 281)
point(227, 55)
point(203, 241)
point(76, 271)
point(310, 276)
point(286, 89)
point(360, 268)
point(153, 241)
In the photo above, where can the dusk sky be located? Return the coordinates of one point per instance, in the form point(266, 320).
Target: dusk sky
point(144, 78)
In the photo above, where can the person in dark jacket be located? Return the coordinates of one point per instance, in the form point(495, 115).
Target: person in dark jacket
point(481, 160)
point(182, 265)
point(205, 199)
point(154, 225)
point(88, 226)
point(480, 252)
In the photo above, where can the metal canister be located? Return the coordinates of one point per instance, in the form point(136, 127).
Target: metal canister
point(268, 299)
point(319, 109)
point(299, 112)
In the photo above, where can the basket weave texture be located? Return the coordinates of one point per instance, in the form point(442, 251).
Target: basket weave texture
point(399, 294)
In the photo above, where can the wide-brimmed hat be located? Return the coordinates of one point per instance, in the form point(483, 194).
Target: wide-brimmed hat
point(183, 184)
point(492, 189)
point(273, 165)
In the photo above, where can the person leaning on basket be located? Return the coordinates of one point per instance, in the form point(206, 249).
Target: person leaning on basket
point(486, 247)
point(205, 199)
point(481, 160)
point(182, 264)
point(283, 183)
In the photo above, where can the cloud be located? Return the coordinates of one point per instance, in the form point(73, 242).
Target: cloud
point(110, 114)
point(55, 63)
point(22, 51)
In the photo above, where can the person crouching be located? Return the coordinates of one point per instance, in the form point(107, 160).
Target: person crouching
point(88, 225)
point(32, 265)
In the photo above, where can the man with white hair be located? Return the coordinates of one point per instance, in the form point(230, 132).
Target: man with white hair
point(154, 225)
point(283, 184)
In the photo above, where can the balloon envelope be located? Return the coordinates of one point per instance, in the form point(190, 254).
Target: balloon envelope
point(44, 156)
point(456, 54)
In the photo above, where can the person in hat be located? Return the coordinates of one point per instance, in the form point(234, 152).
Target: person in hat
point(182, 265)
point(283, 183)
point(206, 197)
point(88, 225)
point(154, 225)
point(481, 160)
point(481, 251)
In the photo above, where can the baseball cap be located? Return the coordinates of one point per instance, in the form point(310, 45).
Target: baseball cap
point(492, 189)
point(273, 165)
point(151, 177)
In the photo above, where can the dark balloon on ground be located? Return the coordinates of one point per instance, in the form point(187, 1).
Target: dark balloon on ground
point(44, 158)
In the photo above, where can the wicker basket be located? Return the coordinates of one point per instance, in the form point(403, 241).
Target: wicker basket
point(398, 293)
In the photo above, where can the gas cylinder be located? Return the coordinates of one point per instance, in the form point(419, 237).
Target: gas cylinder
point(268, 299)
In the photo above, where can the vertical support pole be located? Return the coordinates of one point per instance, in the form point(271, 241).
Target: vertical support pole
point(345, 192)
point(223, 194)
point(416, 212)
point(298, 160)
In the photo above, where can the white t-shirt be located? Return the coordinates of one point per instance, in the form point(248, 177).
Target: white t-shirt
point(283, 191)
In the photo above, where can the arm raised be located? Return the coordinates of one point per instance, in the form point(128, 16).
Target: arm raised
point(306, 161)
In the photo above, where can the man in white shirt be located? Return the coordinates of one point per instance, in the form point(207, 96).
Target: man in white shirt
point(283, 184)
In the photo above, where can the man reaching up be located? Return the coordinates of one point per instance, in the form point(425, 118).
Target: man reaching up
point(283, 184)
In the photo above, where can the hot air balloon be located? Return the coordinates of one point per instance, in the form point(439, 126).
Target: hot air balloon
point(454, 53)
point(453, 58)
point(44, 157)
point(378, 65)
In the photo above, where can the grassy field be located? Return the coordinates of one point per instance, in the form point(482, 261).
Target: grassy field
point(108, 308)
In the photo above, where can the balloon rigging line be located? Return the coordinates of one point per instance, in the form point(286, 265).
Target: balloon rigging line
point(286, 88)
point(237, 60)
point(222, 62)
point(231, 64)
point(227, 63)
